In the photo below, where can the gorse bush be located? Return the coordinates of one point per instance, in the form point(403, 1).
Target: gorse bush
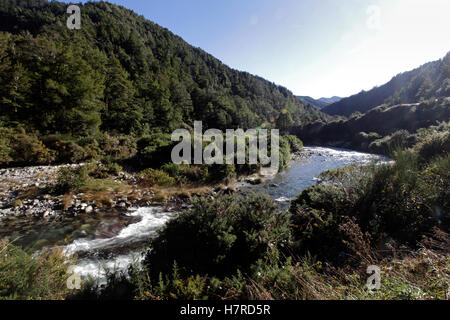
point(66, 151)
point(18, 147)
point(25, 276)
point(86, 178)
point(218, 237)
point(71, 179)
point(151, 177)
point(401, 139)
point(399, 201)
point(432, 145)
point(185, 173)
point(295, 143)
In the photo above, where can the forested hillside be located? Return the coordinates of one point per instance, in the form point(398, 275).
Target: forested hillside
point(316, 103)
point(382, 129)
point(121, 75)
point(432, 80)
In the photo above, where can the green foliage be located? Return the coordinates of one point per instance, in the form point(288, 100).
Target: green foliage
point(17, 147)
point(218, 237)
point(71, 179)
point(183, 172)
point(433, 145)
point(154, 150)
point(284, 121)
point(66, 151)
point(285, 152)
point(382, 129)
point(151, 177)
point(401, 139)
point(295, 143)
point(399, 201)
point(123, 75)
point(32, 277)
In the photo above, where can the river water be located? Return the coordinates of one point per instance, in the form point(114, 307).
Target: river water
point(111, 243)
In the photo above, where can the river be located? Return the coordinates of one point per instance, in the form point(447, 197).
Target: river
point(111, 243)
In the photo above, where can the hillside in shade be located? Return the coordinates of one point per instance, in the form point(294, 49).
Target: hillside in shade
point(432, 80)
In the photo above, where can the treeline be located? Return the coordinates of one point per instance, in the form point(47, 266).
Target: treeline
point(122, 75)
point(432, 80)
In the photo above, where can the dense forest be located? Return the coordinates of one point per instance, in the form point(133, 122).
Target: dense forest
point(432, 80)
point(120, 75)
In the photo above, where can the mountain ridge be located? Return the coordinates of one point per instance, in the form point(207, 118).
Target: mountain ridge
point(318, 103)
point(430, 80)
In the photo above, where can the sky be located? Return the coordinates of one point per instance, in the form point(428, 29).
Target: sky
point(319, 48)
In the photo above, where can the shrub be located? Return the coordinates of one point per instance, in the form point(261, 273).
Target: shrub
point(433, 145)
point(17, 147)
point(185, 173)
point(66, 151)
point(398, 140)
point(295, 143)
point(220, 172)
point(151, 177)
point(71, 179)
point(117, 147)
point(218, 237)
point(285, 153)
point(104, 169)
point(154, 150)
point(39, 276)
point(401, 202)
point(16, 203)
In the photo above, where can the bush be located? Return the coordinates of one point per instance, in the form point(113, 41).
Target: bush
point(105, 169)
point(295, 143)
point(40, 276)
point(66, 151)
point(398, 140)
point(401, 202)
point(117, 147)
point(285, 153)
point(184, 173)
point(71, 179)
point(17, 147)
point(151, 177)
point(154, 150)
point(433, 145)
point(218, 237)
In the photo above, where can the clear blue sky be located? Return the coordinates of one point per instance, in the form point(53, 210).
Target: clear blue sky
point(312, 47)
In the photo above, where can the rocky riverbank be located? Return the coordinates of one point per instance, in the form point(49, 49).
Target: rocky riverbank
point(24, 192)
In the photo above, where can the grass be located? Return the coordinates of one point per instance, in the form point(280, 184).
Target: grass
point(33, 277)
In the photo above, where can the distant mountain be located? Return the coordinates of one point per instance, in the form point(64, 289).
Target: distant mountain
point(319, 104)
point(432, 80)
point(330, 100)
point(308, 100)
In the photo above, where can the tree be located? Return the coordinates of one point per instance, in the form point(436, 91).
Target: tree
point(122, 111)
point(284, 120)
